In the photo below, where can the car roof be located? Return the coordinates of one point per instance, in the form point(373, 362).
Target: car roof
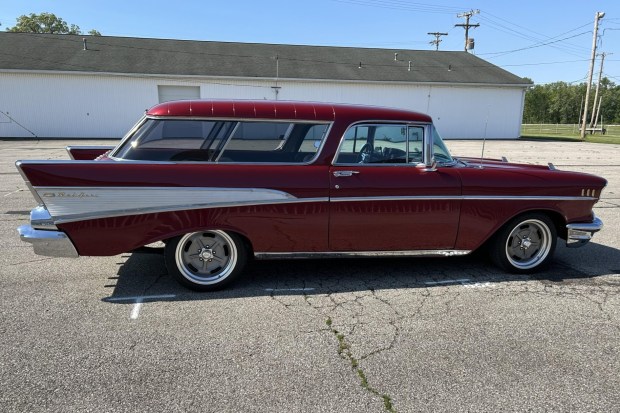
point(285, 110)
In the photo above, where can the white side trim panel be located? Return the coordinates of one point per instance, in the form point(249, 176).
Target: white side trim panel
point(67, 204)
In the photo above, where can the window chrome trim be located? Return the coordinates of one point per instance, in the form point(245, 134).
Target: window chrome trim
point(329, 124)
point(360, 254)
point(127, 136)
point(379, 123)
point(224, 143)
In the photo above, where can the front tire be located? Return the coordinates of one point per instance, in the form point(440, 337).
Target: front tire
point(525, 244)
point(206, 260)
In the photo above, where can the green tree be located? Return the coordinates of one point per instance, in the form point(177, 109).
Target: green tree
point(46, 23)
point(562, 102)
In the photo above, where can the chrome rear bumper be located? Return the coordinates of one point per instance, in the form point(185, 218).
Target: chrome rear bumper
point(580, 233)
point(48, 243)
point(45, 237)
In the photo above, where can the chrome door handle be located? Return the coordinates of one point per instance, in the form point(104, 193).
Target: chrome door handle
point(345, 173)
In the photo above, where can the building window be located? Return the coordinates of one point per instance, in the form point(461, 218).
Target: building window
point(168, 93)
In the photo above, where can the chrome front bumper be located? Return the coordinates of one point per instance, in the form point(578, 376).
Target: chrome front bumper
point(45, 238)
point(580, 233)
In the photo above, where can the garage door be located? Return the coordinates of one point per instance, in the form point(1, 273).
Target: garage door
point(167, 93)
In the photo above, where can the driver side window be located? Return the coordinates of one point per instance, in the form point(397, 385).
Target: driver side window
point(377, 144)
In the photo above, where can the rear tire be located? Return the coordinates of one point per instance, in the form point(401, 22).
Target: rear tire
point(525, 244)
point(206, 260)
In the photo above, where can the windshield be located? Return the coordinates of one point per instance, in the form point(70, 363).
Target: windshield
point(442, 155)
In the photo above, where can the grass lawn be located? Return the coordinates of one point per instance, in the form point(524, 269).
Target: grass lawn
point(568, 133)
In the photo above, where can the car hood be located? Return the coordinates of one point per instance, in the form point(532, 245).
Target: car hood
point(494, 176)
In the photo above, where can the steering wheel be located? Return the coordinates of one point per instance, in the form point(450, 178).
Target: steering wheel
point(365, 153)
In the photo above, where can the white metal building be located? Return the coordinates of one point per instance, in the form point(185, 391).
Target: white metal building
point(61, 86)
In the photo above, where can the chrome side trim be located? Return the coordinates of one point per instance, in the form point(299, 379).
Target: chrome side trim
point(69, 204)
point(358, 254)
point(36, 196)
point(580, 233)
point(461, 197)
point(48, 243)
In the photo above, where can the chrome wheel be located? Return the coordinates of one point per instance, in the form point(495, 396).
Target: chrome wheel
point(525, 244)
point(206, 258)
point(528, 244)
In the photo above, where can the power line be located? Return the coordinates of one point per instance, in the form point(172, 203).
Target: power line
point(547, 63)
point(523, 32)
point(533, 46)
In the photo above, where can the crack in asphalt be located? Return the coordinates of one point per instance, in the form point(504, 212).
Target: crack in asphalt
point(344, 351)
point(354, 304)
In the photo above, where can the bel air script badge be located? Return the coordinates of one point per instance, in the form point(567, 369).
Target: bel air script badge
point(68, 195)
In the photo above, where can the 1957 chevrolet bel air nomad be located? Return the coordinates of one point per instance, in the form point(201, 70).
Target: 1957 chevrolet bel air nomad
point(221, 182)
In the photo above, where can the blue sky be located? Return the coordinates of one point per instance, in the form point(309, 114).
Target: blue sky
point(545, 40)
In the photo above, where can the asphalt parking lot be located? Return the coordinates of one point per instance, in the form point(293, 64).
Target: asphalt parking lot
point(117, 334)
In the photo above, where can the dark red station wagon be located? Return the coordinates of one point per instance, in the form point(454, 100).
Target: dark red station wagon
point(220, 182)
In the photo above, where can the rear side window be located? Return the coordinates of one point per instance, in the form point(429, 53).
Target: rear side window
point(279, 142)
point(224, 141)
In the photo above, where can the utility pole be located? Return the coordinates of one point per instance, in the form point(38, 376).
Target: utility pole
point(599, 15)
point(437, 39)
point(466, 26)
point(594, 118)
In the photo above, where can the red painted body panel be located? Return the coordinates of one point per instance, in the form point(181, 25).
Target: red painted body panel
point(270, 228)
point(87, 154)
point(480, 218)
point(264, 109)
point(394, 224)
point(302, 181)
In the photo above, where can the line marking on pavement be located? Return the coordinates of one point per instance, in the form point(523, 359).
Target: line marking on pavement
point(459, 281)
point(14, 192)
point(288, 289)
point(141, 298)
point(135, 311)
point(465, 282)
point(478, 285)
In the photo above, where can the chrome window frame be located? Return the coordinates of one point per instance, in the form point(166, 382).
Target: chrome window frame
point(127, 136)
point(142, 120)
point(427, 126)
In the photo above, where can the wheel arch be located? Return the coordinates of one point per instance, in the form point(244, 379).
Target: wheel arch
point(558, 220)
